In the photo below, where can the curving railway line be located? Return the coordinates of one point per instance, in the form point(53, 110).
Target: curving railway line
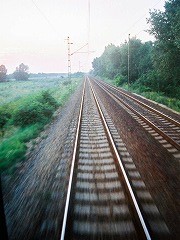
point(163, 127)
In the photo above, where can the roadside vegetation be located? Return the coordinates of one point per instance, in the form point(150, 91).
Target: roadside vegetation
point(154, 70)
point(25, 109)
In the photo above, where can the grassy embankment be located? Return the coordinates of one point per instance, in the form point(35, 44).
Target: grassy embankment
point(158, 97)
point(25, 108)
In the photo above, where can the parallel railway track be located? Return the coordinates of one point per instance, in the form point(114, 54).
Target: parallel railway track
point(100, 201)
point(163, 127)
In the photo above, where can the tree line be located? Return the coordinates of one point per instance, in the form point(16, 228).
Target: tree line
point(154, 65)
point(20, 74)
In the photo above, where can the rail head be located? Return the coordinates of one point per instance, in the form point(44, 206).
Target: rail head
point(63, 230)
point(143, 104)
point(159, 131)
point(140, 215)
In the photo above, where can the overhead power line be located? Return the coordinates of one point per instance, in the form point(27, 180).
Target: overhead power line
point(139, 19)
point(79, 48)
point(44, 16)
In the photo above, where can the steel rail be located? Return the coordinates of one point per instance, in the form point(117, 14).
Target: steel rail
point(72, 167)
point(144, 105)
point(164, 135)
point(140, 216)
point(128, 185)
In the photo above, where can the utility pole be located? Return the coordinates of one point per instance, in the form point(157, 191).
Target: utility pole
point(69, 58)
point(128, 61)
point(77, 51)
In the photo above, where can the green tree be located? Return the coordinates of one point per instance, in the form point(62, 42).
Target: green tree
point(98, 66)
point(111, 59)
point(145, 63)
point(21, 73)
point(134, 52)
point(165, 26)
point(3, 72)
point(108, 64)
point(113, 63)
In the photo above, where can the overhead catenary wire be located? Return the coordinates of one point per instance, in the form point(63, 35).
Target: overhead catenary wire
point(79, 49)
point(54, 29)
point(45, 17)
point(139, 19)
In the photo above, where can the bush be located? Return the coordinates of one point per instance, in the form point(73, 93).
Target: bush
point(151, 80)
point(47, 98)
point(11, 150)
point(67, 82)
point(4, 117)
point(120, 80)
point(33, 113)
point(29, 132)
point(14, 148)
point(37, 110)
point(139, 88)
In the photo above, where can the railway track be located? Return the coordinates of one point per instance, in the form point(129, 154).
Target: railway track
point(100, 201)
point(164, 128)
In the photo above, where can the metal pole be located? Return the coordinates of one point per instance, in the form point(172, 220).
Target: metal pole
point(69, 58)
point(128, 61)
point(69, 61)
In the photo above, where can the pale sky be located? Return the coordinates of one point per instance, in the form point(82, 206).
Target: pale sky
point(34, 31)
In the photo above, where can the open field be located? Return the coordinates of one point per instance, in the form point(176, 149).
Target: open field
point(14, 90)
point(25, 108)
